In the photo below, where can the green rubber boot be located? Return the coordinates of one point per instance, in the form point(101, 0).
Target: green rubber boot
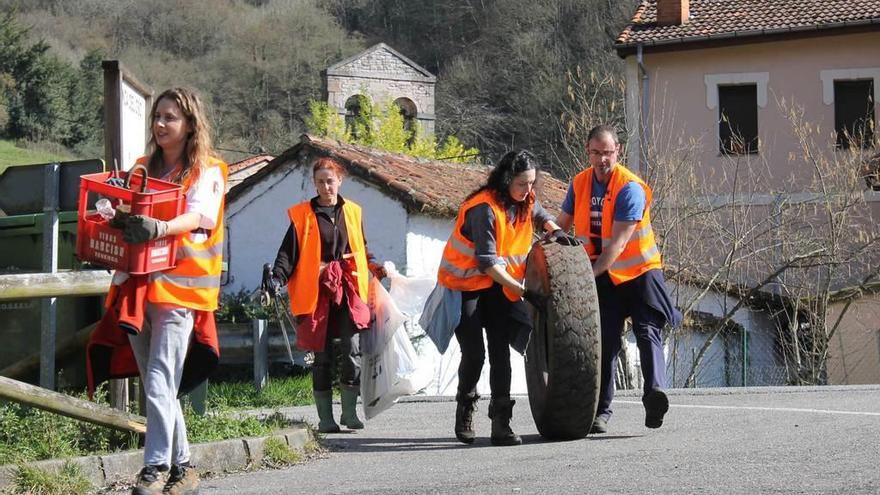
point(324, 403)
point(349, 416)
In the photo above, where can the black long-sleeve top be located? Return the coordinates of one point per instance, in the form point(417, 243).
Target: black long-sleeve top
point(334, 239)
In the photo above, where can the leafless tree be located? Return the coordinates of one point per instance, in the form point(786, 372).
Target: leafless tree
point(787, 251)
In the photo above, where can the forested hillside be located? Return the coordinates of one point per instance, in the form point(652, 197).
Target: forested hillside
point(503, 66)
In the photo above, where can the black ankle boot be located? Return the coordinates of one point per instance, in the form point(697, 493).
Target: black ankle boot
point(501, 410)
point(464, 416)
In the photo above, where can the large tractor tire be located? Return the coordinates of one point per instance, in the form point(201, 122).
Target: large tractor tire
point(562, 358)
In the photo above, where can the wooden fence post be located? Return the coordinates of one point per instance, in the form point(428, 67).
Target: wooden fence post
point(119, 394)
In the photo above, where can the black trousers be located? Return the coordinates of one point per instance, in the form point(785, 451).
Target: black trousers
point(504, 321)
point(347, 344)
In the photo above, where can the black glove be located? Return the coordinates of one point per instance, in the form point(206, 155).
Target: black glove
point(560, 237)
point(275, 286)
point(140, 228)
point(536, 299)
point(271, 283)
point(120, 218)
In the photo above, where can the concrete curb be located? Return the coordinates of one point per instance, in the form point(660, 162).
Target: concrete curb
point(211, 458)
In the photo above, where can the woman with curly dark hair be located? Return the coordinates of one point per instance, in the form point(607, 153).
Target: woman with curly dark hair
point(484, 262)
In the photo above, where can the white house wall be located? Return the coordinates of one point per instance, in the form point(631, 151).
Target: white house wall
point(385, 221)
point(425, 239)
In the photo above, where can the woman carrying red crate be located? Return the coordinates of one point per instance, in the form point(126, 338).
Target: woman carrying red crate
point(183, 297)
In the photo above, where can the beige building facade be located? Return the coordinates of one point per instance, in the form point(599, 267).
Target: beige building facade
point(683, 86)
point(697, 69)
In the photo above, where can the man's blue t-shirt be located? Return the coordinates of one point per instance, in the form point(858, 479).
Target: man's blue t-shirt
point(628, 207)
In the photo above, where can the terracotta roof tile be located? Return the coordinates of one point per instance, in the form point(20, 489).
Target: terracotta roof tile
point(248, 162)
point(241, 170)
point(721, 19)
point(431, 187)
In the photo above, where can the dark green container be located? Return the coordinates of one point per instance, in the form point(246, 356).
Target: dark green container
point(21, 251)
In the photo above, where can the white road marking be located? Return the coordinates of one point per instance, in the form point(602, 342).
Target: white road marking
point(754, 408)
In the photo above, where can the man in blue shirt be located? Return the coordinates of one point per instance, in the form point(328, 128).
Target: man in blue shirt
point(627, 267)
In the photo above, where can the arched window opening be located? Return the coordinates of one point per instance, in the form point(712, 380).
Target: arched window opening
point(356, 107)
point(409, 113)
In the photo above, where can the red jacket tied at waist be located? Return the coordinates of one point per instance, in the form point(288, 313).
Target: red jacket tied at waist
point(336, 281)
point(109, 354)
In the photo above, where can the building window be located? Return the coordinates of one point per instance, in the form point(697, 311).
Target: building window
point(854, 113)
point(408, 111)
point(738, 119)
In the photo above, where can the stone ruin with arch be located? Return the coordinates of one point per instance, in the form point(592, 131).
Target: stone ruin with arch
point(382, 73)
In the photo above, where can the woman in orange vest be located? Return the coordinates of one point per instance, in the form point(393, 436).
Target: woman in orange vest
point(180, 151)
point(324, 262)
point(484, 262)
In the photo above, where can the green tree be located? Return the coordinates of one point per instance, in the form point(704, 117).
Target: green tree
point(390, 132)
point(87, 104)
point(324, 121)
point(37, 85)
point(382, 126)
point(272, 67)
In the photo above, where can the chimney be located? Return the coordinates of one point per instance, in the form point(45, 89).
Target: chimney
point(672, 12)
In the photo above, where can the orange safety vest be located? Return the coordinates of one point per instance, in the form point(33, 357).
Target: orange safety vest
point(302, 287)
point(194, 282)
point(640, 253)
point(459, 268)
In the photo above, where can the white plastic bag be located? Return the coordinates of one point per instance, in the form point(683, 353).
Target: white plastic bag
point(385, 319)
point(391, 375)
point(390, 366)
point(409, 293)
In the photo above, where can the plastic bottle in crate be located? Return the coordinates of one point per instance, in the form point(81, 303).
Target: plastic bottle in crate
point(105, 209)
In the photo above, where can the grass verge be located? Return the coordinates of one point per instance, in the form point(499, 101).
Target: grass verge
point(33, 481)
point(225, 425)
point(279, 392)
point(12, 154)
point(277, 454)
point(30, 434)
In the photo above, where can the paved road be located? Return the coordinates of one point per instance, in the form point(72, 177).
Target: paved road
point(774, 440)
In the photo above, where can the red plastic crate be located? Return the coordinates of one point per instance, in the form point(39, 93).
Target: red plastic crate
point(99, 243)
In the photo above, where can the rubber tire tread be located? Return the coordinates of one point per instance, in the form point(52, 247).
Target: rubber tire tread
point(565, 346)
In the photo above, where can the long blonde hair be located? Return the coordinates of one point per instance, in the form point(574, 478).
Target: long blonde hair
point(199, 145)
